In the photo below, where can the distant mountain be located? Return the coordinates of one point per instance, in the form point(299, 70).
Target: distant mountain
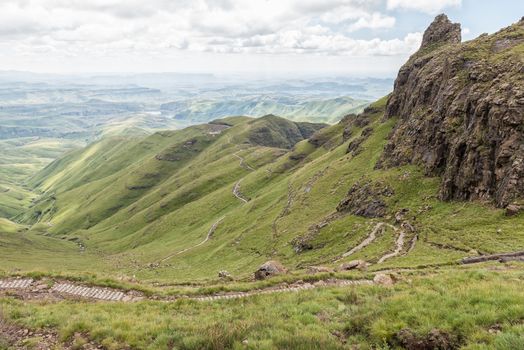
point(292, 107)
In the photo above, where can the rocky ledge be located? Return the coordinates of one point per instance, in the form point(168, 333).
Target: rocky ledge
point(460, 110)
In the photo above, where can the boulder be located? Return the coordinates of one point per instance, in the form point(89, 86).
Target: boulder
point(512, 209)
point(399, 215)
point(383, 279)
point(354, 264)
point(268, 269)
point(224, 274)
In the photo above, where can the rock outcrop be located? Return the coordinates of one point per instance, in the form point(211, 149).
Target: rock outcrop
point(268, 269)
point(460, 110)
point(366, 198)
point(441, 31)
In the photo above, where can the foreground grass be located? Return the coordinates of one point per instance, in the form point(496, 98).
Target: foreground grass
point(465, 306)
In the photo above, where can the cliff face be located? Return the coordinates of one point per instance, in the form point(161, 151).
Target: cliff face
point(461, 113)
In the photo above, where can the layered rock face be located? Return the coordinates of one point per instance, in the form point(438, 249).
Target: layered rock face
point(461, 113)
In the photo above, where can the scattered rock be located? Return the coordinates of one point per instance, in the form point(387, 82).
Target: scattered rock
point(495, 329)
point(318, 269)
point(384, 279)
point(41, 287)
point(408, 227)
point(224, 274)
point(320, 283)
point(346, 134)
point(269, 269)
point(399, 216)
point(354, 146)
point(301, 243)
point(436, 339)
point(366, 132)
point(513, 209)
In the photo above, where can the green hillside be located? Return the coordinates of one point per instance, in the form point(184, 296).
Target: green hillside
point(135, 214)
point(139, 202)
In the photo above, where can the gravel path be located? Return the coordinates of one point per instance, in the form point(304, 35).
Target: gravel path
point(367, 241)
point(243, 163)
point(31, 289)
point(399, 245)
point(16, 284)
point(237, 193)
point(209, 235)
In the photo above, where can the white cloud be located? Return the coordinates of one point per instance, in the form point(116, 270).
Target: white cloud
point(97, 30)
point(427, 6)
point(374, 21)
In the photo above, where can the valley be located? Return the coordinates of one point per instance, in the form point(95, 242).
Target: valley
point(395, 224)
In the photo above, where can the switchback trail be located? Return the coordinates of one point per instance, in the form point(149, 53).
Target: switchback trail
point(236, 187)
point(243, 163)
point(209, 234)
point(237, 193)
point(399, 245)
point(367, 241)
point(379, 228)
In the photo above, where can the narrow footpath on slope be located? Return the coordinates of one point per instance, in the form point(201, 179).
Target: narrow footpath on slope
point(209, 235)
point(367, 241)
point(237, 193)
point(30, 289)
point(236, 188)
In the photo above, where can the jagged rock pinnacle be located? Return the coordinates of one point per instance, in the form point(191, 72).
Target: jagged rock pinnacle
point(441, 30)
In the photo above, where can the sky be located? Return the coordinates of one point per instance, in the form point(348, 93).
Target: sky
point(266, 37)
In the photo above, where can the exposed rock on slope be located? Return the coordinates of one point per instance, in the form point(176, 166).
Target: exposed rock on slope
point(268, 269)
point(366, 199)
point(461, 113)
point(441, 31)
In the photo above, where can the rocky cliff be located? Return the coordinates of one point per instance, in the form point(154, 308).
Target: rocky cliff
point(460, 110)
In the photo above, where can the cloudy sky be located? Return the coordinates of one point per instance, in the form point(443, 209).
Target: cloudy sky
point(272, 37)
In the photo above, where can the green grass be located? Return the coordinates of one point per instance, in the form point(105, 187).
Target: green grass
point(134, 202)
point(462, 303)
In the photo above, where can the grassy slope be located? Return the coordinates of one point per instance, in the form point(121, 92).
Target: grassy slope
point(465, 305)
point(20, 159)
point(186, 199)
point(173, 204)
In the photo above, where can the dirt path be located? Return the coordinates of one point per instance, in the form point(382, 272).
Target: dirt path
point(28, 289)
point(237, 193)
point(367, 241)
point(243, 163)
point(399, 245)
point(517, 256)
point(209, 235)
